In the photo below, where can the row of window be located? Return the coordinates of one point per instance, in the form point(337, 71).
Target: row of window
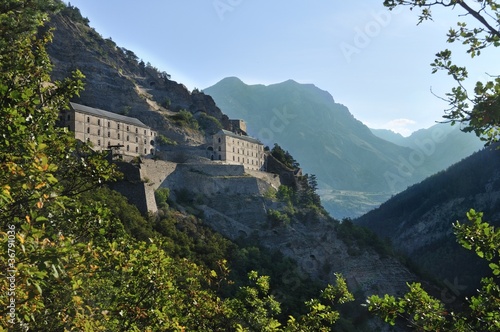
point(128, 146)
point(109, 135)
point(118, 125)
point(248, 161)
point(242, 151)
point(243, 143)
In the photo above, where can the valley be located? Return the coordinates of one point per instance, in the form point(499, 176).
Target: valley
point(138, 204)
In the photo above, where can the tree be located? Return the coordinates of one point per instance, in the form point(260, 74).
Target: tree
point(426, 313)
point(71, 264)
point(43, 170)
point(479, 110)
point(479, 113)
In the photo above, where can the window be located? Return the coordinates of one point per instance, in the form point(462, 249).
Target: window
point(88, 130)
point(137, 139)
point(98, 122)
point(128, 128)
point(118, 126)
point(220, 157)
point(109, 124)
point(233, 158)
point(145, 151)
point(69, 116)
point(137, 149)
point(99, 142)
point(109, 134)
point(136, 131)
point(145, 142)
point(144, 134)
point(109, 143)
point(219, 139)
point(88, 119)
point(118, 135)
point(98, 132)
point(219, 148)
point(127, 138)
point(128, 148)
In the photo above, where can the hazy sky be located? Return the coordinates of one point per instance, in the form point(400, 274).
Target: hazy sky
point(374, 61)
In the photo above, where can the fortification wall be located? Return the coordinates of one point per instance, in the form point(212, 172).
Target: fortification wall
point(154, 172)
point(214, 169)
point(271, 179)
point(141, 180)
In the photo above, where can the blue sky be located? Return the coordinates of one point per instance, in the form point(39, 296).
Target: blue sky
point(373, 61)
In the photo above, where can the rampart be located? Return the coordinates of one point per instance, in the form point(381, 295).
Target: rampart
point(147, 175)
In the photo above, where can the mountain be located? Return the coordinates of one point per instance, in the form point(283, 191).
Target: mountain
point(342, 152)
point(444, 145)
point(389, 135)
point(357, 168)
point(118, 81)
point(238, 205)
point(418, 221)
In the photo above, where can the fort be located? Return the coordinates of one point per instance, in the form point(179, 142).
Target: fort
point(233, 164)
point(107, 130)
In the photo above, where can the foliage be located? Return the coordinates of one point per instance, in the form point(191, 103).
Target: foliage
point(127, 215)
point(277, 217)
point(426, 313)
point(357, 238)
point(74, 14)
point(78, 257)
point(284, 157)
point(185, 119)
point(460, 182)
point(478, 110)
point(164, 141)
point(161, 197)
point(209, 123)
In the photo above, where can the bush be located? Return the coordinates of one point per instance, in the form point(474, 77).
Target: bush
point(161, 197)
point(277, 217)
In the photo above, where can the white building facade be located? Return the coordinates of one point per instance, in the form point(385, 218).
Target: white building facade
point(106, 130)
point(238, 149)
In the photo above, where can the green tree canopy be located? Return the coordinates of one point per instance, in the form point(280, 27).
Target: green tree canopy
point(477, 109)
point(71, 264)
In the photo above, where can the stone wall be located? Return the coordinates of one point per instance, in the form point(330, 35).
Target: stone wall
point(154, 172)
point(214, 179)
point(142, 179)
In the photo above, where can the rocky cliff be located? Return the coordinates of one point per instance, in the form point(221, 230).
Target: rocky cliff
point(419, 220)
point(117, 81)
point(232, 201)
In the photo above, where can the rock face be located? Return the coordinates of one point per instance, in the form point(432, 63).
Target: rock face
point(419, 220)
point(356, 170)
point(314, 243)
point(116, 81)
point(233, 201)
point(235, 204)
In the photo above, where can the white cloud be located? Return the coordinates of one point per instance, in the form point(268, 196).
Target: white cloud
point(401, 126)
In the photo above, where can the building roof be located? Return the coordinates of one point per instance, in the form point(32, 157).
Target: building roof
point(108, 115)
point(242, 137)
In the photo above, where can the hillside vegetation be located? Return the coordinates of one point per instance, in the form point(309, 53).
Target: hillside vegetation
point(356, 169)
point(81, 258)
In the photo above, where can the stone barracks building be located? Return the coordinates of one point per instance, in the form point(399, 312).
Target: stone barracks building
point(106, 130)
point(238, 149)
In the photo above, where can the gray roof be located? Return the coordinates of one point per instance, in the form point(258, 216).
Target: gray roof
point(108, 115)
point(242, 137)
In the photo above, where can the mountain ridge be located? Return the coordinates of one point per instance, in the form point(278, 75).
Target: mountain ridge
point(418, 221)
